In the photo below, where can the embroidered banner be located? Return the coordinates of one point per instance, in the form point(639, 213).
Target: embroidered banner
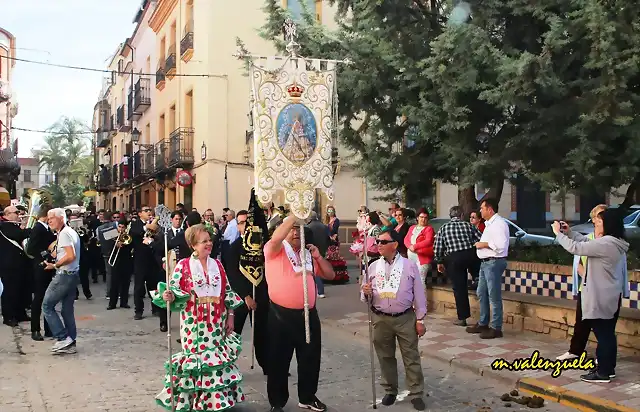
point(253, 240)
point(293, 109)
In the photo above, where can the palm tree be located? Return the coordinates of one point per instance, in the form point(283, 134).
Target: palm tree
point(66, 153)
point(68, 142)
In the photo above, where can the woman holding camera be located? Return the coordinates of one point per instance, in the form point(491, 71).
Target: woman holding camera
point(602, 284)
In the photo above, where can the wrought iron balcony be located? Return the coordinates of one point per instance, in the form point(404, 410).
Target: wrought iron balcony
point(113, 125)
point(114, 175)
point(147, 156)
point(122, 123)
point(104, 180)
point(135, 166)
point(142, 95)
point(170, 63)
point(103, 138)
point(160, 78)
point(186, 44)
point(181, 147)
point(160, 155)
point(120, 173)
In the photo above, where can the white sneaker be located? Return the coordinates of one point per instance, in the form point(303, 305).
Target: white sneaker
point(71, 349)
point(566, 356)
point(62, 344)
point(322, 296)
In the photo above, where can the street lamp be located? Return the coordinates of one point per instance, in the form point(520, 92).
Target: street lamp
point(135, 135)
point(203, 151)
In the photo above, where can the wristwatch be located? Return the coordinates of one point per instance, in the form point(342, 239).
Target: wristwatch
point(421, 321)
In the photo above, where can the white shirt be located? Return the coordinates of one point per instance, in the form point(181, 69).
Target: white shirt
point(68, 237)
point(231, 233)
point(176, 230)
point(496, 234)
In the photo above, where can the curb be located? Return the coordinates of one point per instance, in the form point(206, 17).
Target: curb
point(576, 400)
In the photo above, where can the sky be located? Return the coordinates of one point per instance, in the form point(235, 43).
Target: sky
point(73, 32)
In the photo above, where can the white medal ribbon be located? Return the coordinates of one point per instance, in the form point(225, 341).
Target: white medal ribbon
point(388, 286)
point(296, 259)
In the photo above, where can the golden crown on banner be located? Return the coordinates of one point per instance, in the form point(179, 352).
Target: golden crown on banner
point(295, 91)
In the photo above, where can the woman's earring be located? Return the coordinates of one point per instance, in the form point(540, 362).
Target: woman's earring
point(195, 254)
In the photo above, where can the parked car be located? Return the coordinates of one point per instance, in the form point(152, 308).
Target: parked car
point(516, 234)
point(631, 226)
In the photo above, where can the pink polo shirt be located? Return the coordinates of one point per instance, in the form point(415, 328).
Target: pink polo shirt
point(285, 286)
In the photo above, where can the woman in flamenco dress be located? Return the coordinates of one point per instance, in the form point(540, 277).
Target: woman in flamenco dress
point(333, 252)
point(204, 374)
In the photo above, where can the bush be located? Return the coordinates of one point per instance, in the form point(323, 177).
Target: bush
point(556, 255)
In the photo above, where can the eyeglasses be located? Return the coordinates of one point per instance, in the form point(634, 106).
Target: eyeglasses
point(422, 217)
point(384, 241)
point(146, 210)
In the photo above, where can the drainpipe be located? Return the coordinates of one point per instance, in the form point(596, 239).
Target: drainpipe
point(226, 187)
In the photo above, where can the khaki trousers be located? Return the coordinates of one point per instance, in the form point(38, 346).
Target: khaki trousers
point(385, 331)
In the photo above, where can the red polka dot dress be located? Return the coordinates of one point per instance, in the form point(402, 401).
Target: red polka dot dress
point(204, 373)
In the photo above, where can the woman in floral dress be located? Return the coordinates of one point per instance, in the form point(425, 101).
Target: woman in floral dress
point(204, 374)
point(333, 252)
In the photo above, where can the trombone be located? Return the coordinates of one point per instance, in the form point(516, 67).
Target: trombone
point(122, 240)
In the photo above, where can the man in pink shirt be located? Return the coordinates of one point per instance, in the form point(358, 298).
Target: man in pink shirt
point(396, 294)
point(283, 270)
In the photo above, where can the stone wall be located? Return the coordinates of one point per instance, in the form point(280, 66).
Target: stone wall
point(539, 314)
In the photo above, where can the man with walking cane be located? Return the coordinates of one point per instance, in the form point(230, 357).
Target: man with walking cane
point(285, 265)
point(399, 306)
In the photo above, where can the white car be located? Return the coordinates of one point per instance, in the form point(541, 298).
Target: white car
point(516, 234)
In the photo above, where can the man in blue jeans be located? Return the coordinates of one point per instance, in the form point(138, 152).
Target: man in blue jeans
point(492, 250)
point(63, 286)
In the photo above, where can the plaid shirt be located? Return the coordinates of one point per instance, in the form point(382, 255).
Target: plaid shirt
point(455, 236)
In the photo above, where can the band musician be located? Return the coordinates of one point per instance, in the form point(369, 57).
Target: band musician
point(121, 270)
point(38, 246)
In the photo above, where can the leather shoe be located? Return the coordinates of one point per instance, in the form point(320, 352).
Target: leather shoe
point(111, 307)
point(163, 327)
point(418, 404)
point(10, 322)
point(137, 316)
point(37, 336)
point(388, 400)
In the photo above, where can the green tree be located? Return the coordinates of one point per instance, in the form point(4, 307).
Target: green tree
point(542, 89)
point(65, 152)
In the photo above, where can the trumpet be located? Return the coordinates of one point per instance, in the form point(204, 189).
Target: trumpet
point(123, 239)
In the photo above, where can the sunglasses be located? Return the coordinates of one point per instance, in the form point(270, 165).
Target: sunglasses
point(384, 241)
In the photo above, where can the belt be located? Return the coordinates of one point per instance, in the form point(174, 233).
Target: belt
point(492, 258)
point(393, 315)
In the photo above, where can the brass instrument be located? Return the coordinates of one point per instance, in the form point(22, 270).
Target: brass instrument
point(37, 200)
point(122, 240)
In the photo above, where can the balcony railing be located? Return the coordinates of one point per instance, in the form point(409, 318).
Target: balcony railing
point(186, 44)
point(139, 99)
point(160, 158)
point(123, 124)
point(104, 180)
point(170, 63)
point(103, 138)
point(180, 147)
point(135, 166)
point(147, 156)
point(114, 175)
point(113, 124)
point(160, 77)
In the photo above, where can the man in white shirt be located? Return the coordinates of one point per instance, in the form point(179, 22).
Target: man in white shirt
point(63, 286)
point(492, 249)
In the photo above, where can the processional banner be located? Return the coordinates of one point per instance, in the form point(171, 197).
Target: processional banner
point(294, 114)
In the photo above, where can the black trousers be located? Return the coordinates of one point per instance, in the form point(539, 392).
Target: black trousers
point(457, 264)
point(41, 280)
point(583, 327)
point(12, 298)
point(286, 334)
point(84, 278)
point(261, 337)
point(97, 264)
point(120, 281)
point(146, 279)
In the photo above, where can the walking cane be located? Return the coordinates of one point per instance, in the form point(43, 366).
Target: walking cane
point(252, 313)
point(365, 277)
point(168, 279)
point(303, 257)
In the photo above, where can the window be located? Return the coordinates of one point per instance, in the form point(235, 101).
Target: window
point(47, 179)
point(27, 175)
point(512, 229)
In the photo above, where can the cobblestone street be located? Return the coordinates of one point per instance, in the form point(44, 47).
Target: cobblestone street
point(118, 367)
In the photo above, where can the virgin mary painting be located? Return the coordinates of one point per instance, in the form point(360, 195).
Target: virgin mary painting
point(297, 134)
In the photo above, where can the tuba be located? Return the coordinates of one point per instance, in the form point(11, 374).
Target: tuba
point(37, 200)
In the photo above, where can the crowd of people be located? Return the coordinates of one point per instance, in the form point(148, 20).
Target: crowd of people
point(252, 263)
